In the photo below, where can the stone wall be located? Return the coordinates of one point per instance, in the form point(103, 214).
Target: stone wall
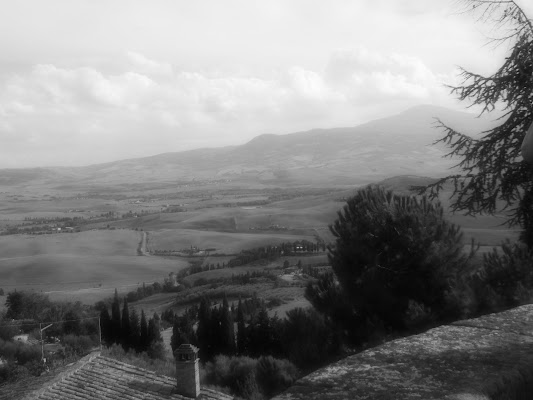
point(490, 357)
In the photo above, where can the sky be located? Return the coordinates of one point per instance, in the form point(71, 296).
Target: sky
point(90, 81)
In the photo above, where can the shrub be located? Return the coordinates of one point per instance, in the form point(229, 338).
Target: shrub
point(236, 373)
point(250, 378)
point(79, 345)
point(507, 276)
point(142, 360)
point(274, 376)
point(7, 331)
point(308, 341)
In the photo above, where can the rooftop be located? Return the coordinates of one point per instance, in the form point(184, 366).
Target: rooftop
point(95, 377)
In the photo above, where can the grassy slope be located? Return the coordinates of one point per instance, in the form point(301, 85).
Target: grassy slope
point(64, 263)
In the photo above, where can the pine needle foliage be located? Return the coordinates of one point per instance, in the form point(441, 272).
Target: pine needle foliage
point(391, 251)
point(493, 177)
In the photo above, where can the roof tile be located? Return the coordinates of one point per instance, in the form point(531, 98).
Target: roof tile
point(100, 378)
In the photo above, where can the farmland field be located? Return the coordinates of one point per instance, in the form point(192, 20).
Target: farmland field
point(226, 219)
point(80, 265)
point(223, 242)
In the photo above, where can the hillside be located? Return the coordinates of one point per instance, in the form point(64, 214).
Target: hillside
point(399, 144)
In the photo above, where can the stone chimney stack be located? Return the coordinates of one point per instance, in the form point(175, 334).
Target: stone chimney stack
point(187, 371)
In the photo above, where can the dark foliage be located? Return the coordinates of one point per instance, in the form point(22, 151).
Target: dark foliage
point(390, 251)
point(115, 319)
point(493, 175)
point(125, 327)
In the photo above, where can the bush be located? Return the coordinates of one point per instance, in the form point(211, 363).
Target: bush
point(156, 350)
point(79, 345)
point(7, 331)
point(236, 373)
point(273, 375)
point(250, 378)
point(307, 341)
point(506, 277)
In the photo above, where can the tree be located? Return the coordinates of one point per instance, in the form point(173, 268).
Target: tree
point(241, 330)
point(492, 175)
point(156, 349)
point(115, 318)
point(105, 325)
point(260, 335)
point(308, 342)
point(135, 332)
point(143, 340)
point(28, 305)
point(204, 324)
point(391, 252)
point(182, 331)
point(227, 329)
point(71, 326)
point(125, 327)
point(154, 333)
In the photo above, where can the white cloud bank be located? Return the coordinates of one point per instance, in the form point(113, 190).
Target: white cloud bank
point(53, 115)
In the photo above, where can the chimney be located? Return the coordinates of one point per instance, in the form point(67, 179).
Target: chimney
point(187, 371)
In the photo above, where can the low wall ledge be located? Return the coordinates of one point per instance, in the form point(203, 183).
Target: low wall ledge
point(490, 357)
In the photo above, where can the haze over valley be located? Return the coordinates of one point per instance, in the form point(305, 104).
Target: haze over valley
point(80, 232)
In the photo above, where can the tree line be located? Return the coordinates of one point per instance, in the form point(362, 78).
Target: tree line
point(131, 331)
point(303, 337)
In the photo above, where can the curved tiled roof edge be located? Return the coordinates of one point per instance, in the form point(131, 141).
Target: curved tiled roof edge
point(66, 371)
point(490, 357)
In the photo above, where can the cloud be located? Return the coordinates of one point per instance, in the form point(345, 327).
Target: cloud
point(82, 115)
point(144, 64)
point(364, 75)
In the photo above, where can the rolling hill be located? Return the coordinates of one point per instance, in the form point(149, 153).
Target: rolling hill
point(399, 144)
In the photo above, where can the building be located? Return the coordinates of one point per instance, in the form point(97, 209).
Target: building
point(97, 377)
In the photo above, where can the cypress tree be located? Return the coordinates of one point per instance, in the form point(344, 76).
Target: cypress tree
point(105, 327)
point(227, 329)
point(177, 339)
point(154, 334)
point(204, 322)
point(135, 333)
point(182, 331)
point(260, 337)
point(156, 348)
point(241, 330)
point(115, 319)
point(214, 333)
point(143, 341)
point(125, 331)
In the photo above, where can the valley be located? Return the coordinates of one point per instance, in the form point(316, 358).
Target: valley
point(78, 233)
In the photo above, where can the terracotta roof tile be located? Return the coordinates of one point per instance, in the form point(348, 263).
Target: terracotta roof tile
point(100, 378)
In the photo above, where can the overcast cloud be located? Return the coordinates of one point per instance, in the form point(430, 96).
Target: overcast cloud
point(83, 82)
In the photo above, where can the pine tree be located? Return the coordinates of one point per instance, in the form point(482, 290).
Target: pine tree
point(115, 319)
point(390, 251)
point(492, 173)
point(143, 340)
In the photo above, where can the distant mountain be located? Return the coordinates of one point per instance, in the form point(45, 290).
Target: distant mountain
point(397, 145)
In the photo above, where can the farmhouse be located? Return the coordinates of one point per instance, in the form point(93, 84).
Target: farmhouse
point(100, 378)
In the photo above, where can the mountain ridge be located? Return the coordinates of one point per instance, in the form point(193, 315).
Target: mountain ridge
point(396, 144)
